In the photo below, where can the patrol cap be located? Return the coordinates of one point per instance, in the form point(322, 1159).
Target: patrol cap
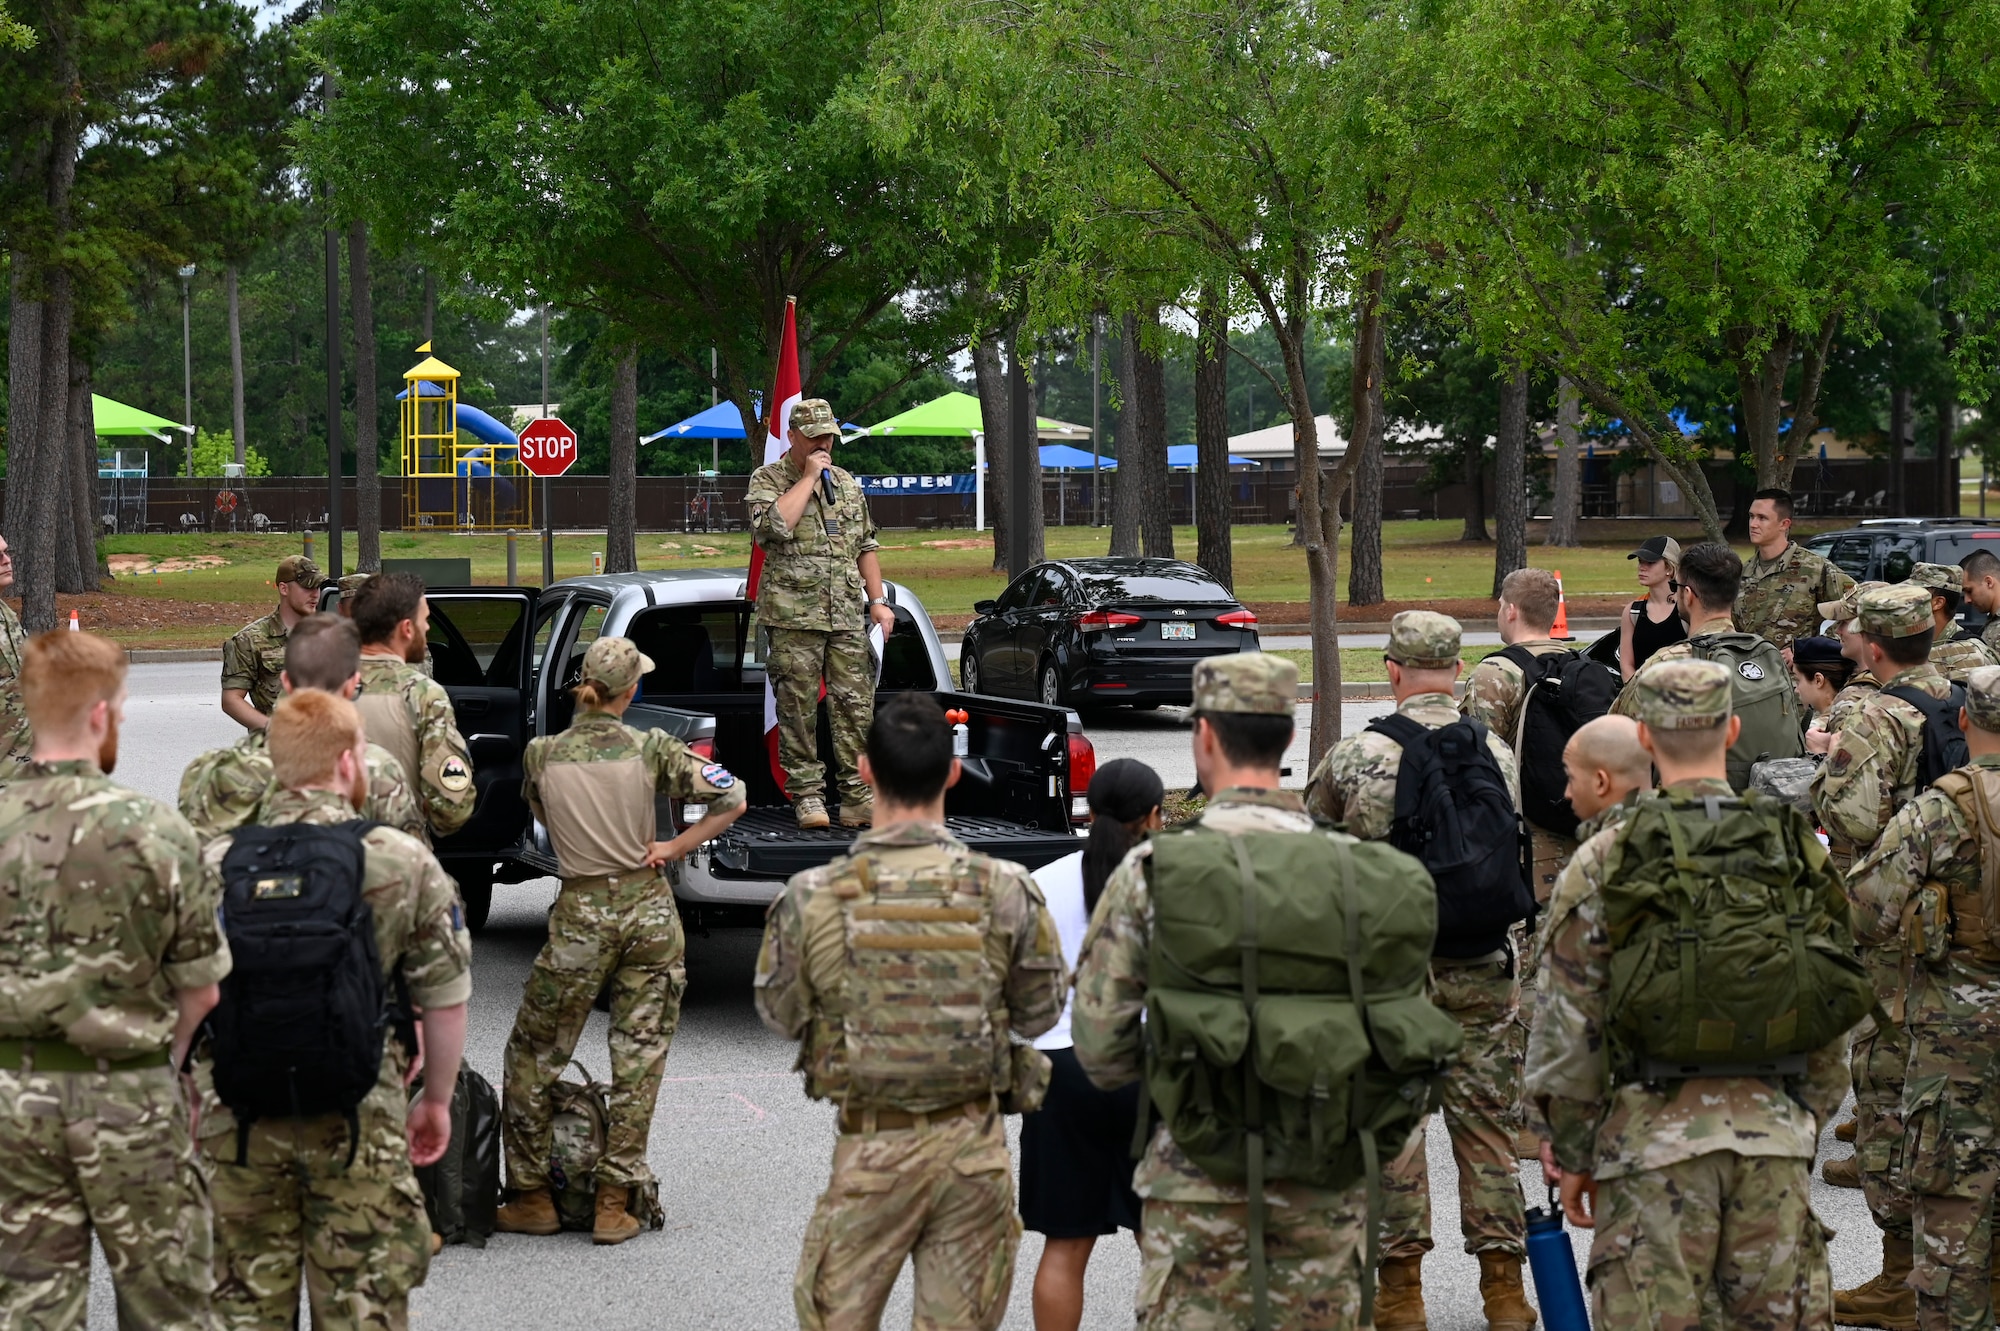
point(615, 663)
point(814, 417)
point(299, 569)
point(352, 584)
point(1682, 694)
point(1424, 640)
point(1848, 606)
point(1982, 697)
point(1657, 549)
point(1256, 682)
point(1897, 611)
point(1938, 577)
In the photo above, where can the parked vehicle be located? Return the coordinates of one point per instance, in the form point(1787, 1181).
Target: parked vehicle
point(1886, 549)
point(510, 656)
point(1102, 631)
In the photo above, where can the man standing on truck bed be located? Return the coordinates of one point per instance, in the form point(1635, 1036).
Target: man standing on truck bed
point(405, 710)
point(819, 546)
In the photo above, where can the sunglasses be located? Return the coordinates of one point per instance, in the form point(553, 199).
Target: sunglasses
point(1673, 585)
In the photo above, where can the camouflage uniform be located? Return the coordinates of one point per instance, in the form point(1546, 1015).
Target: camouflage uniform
point(252, 659)
point(919, 1170)
point(1355, 785)
point(408, 713)
point(614, 922)
point(1860, 687)
point(1930, 858)
point(1194, 1236)
point(811, 600)
point(224, 788)
point(1870, 772)
point(360, 1228)
point(16, 739)
point(1955, 653)
point(1780, 597)
point(103, 916)
point(1990, 635)
point(1703, 1183)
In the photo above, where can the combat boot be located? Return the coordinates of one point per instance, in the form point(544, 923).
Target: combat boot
point(857, 815)
point(811, 811)
point(1841, 1173)
point(1886, 1301)
point(530, 1212)
point(1399, 1295)
point(1844, 1132)
point(614, 1224)
point(1506, 1302)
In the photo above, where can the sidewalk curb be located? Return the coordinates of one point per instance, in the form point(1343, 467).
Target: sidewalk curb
point(1577, 627)
point(172, 655)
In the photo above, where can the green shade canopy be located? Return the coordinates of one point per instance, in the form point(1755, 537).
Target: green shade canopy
point(115, 418)
point(956, 415)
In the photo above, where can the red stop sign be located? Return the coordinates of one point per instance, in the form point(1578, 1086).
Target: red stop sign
point(548, 447)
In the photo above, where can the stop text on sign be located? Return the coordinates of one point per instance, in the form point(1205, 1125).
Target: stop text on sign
point(548, 447)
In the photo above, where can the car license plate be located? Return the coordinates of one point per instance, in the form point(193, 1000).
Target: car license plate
point(1181, 632)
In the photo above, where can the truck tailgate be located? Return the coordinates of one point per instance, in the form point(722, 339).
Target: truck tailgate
point(769, 844)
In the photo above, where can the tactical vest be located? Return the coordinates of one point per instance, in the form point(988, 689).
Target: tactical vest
point(1975, 915)
point(911, 1011)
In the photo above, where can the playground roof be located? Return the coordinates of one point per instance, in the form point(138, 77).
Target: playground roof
point(430, 367)
point(114, 419)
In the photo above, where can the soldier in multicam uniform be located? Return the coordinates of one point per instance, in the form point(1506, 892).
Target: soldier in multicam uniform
point(1784, 584)
point(614, 923)
point(1355, 785)
point(100, 992)
point(819, 555)
point(224, 788)
point(1194, 1236)
point(16, 737)
point(1982, 588)
point(911, 971)
point(1955, 652)
point(1860, 685)
point(1870, 772)
point(350, 586)
point(347, 1208)
point(1698, 1187)
point(406, 711)
point(1925, 889)
point(254, 657)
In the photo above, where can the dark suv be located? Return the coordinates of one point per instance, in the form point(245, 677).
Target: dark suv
point(1885, 549)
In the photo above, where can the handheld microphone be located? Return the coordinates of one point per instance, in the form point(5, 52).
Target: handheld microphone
point(826, 486)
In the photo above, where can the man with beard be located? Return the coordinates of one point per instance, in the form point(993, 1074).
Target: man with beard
point(15, 737)
point(405, 710)
point(110, 955)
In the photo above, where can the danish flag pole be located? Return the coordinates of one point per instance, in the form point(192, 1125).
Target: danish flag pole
point(784, 396)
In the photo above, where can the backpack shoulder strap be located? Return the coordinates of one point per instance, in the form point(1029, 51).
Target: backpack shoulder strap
point(1419, 758)
point(1400, 728)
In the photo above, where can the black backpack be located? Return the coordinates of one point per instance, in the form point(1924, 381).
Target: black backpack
point(462, 1188)
point(1944, 743)
point(1455, 813)
point(1563, 690)
point(305, 1009)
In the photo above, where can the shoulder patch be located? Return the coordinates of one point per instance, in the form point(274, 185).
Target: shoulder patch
point(454, 775)
point(717, 775)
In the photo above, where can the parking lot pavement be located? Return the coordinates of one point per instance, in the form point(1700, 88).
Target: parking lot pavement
point(740, 1152)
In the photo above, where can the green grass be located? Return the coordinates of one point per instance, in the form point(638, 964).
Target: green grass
point(1364, 665)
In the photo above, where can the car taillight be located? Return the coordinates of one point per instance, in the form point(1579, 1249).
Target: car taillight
point(1082, 767)
point(703, 749)
point(1107, 619)
point(1237, 619)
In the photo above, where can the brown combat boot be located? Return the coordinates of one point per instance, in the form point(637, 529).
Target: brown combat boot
point(1886, 1301)
point(530, 1212)
point(1841, 1173)
point(1844, 1132)
point(811, 811)
point(614, 1224)
point(1507, 1306)
point(1399, 1295)
point(857, 815)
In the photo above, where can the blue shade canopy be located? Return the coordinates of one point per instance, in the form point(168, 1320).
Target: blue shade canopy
point(721, 421)
point(1072, 459)
point(1183, 455)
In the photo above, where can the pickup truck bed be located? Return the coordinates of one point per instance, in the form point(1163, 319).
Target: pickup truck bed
point(768, 843)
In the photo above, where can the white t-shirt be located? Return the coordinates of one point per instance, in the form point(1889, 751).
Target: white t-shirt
point(1062, 887)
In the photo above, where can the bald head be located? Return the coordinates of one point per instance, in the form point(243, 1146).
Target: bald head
point(1605, 764)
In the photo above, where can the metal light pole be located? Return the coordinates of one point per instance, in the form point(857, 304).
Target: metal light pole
point(1096, 416)
point(714, 398)
point(187, 363)
point(548, 530)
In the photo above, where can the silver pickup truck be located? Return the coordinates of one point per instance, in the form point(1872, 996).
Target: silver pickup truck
point(508, 657)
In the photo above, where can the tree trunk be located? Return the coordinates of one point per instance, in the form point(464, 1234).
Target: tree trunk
point(236, 426)
point(59, 451)
point(1899, 435)
point(1211, 440)
point(367, 445)
point(1033, 508)
point(1126, 490)
point(24, 390)
point(1364, 573)
point(1760, 394)
point(1510, 478)
point(1023, 463)
point(992, 384)
point(44, 570)
point(621, 552)
point(1566, 519)
point(82, 451)
point(1149, 465)
point(1475, 493)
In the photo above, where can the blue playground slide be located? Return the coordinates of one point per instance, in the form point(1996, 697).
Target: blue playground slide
point(501, 443)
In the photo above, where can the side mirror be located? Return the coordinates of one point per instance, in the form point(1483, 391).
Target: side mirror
point(984, 607)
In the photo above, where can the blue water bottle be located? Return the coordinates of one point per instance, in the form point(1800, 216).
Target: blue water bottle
point(1553, 1263)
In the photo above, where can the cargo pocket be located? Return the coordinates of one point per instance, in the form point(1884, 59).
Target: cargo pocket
point(1156, 1268)
point(988, 1168)
point(1815, 1276)
point(1308, 1049)
point(1930, 1163)
point(805, 1283)
point(1198, 1041)
point(1620, 1293)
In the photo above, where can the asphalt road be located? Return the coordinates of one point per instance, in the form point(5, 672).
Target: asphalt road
point(740, 1152)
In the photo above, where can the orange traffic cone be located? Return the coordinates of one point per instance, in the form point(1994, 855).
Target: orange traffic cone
point(1561, 631)
point(74, 627)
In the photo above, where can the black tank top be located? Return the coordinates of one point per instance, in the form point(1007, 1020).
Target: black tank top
point(1648, 637)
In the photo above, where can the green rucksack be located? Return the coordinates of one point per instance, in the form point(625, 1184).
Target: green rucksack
point(1730, 948)
point(1288, 1031)
point(579, 1129)
point(1760, 695)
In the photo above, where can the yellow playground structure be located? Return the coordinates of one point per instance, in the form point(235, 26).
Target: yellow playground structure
point(461, 467)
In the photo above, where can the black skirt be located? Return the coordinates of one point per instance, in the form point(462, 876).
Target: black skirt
point(1076, 1156)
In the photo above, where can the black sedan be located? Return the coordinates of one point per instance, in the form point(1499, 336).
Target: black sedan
point(1086, 632)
